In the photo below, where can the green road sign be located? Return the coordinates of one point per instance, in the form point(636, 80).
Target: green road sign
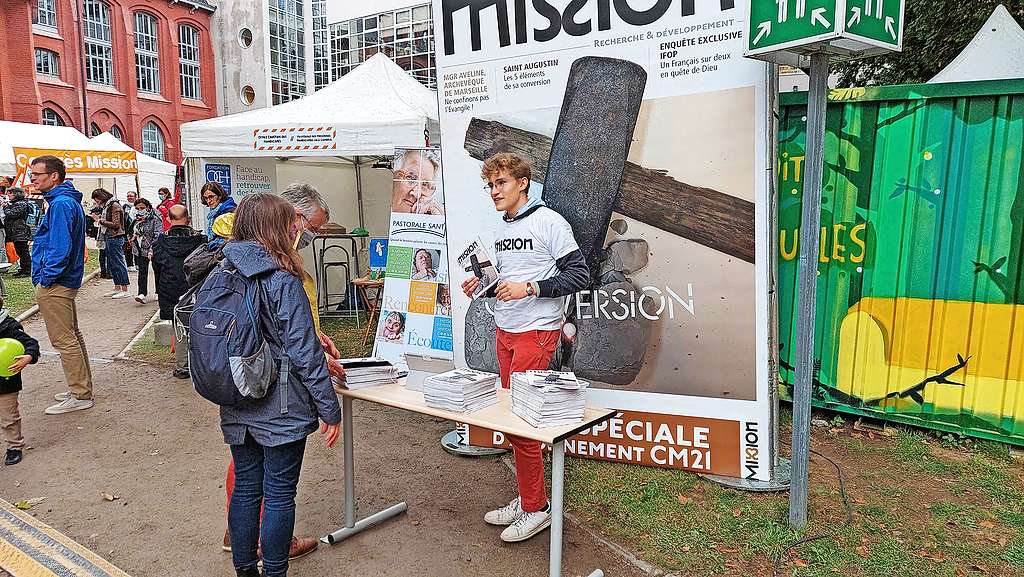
point(842, 28)
point(878, 22)
point(779, 24)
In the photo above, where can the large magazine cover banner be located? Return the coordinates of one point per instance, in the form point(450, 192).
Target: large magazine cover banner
point(647, 131)
point(415, 315)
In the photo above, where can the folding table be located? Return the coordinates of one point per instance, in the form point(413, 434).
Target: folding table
point(498, 417)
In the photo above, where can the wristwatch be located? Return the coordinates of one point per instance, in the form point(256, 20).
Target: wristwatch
point(530, 291)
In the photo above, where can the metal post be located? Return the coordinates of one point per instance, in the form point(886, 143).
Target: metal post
point(350, 481)
point(557, 485)
point(810, 223)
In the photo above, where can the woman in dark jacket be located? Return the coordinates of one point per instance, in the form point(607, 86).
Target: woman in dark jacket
point(111, 225)
point(18, 231)
point(147, 227)
point(268, 436)
point(217, 200)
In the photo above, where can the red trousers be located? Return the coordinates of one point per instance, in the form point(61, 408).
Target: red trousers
point(531, 350)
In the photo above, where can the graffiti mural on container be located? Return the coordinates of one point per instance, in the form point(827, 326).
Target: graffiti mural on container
point(920, 290)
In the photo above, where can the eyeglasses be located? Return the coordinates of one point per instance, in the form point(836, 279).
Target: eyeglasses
point(500, 183)
point(209, 197)
point(40, 173)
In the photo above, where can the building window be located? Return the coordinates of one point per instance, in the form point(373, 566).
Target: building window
point(45, 14)
point(147, 54)
point(287, 51)
point(116, 132)
point(99, 55)
point(153, 140)
point(95, 130)
point(47, 62)
point(321, 46)
point(51, 118)
point(245, 38)
point(406, 36)
point(188, 58)
point(247, 94)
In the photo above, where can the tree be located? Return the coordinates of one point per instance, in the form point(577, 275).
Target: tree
point(935, 31)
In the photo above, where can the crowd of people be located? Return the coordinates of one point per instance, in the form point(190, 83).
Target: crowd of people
point(256, 242)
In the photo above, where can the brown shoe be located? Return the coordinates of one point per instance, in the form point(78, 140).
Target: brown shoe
point(227, 541)
point(302, 546)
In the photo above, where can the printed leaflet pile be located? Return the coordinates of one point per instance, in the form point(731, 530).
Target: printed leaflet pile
point(461, 390)
point(362, 373)
point(548, 398)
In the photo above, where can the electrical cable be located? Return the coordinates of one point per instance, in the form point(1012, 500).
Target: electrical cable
point(826, 534)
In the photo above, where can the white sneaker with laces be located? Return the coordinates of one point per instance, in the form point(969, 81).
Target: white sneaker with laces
point(505, 515)
point(62, 396)
point(70, 405)
point(120, 295)
point(527, 525)
point(141, 299)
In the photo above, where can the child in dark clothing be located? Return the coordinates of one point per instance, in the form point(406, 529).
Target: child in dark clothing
point(10, 418)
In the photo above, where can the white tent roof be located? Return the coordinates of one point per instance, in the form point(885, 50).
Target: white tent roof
point(25, 135)
point(371, 110)
point(153, 172)
point(996, 52)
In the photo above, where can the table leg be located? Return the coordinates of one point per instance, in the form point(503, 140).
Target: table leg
point(557, 489)
point(352, 526)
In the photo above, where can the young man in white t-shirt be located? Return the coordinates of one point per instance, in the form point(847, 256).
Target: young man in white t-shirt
point(540, 264)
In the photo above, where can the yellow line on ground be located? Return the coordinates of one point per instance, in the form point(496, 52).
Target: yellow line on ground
point(31, 548)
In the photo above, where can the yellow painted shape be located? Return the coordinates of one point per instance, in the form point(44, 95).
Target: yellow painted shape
point(890, 345)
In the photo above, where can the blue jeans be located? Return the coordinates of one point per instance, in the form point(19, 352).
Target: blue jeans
point(266, 476)
point(114, 251)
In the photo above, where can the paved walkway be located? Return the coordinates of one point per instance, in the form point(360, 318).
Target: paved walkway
point(152, 442)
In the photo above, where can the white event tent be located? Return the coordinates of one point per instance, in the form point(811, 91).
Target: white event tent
point(148, 174)
point(153, 173)
point(995, 53)
point(324, 139)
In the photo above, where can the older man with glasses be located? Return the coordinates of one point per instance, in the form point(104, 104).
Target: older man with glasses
point(58, 263)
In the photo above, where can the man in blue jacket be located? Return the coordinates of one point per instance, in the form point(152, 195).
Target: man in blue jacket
point(58, 261)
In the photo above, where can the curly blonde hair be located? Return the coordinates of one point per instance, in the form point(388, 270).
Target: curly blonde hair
point(514, 164)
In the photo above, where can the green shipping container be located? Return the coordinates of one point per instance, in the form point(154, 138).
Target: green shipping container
point(920, 315)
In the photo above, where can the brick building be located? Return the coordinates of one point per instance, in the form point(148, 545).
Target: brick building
point(147, 66)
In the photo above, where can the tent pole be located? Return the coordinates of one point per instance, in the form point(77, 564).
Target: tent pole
point(359, 190)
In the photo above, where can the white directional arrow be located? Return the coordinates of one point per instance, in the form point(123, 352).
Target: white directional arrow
point(783, 10)
point(867, 6)
point(764, 29)
point(855, 18)
point(889, 21)
point(818, 15)
point(801, 8)
point(878, 9)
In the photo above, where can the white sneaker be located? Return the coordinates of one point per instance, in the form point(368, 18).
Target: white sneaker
point(70, 405)
point(133, 269)
point(526, 526)
point(62, 396)
point(111, 293)
point(505, 515)
point(120, 295)
point(141, 299)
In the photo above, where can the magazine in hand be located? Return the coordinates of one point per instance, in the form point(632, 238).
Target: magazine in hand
point(476, 260)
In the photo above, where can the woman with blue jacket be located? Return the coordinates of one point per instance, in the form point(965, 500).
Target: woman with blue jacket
point(268, 436)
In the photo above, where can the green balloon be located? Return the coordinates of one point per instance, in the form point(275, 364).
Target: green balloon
point(9, 349)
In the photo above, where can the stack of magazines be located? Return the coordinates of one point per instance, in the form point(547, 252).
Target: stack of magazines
point(367, 372)
point(548, 398)
point(461, 390)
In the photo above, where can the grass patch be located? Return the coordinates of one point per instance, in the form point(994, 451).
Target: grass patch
point(146, 350)
point(347, 337)
point(21, 295)
point(918, 510)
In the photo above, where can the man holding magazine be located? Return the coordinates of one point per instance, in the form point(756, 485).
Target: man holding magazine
point(539, 264)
